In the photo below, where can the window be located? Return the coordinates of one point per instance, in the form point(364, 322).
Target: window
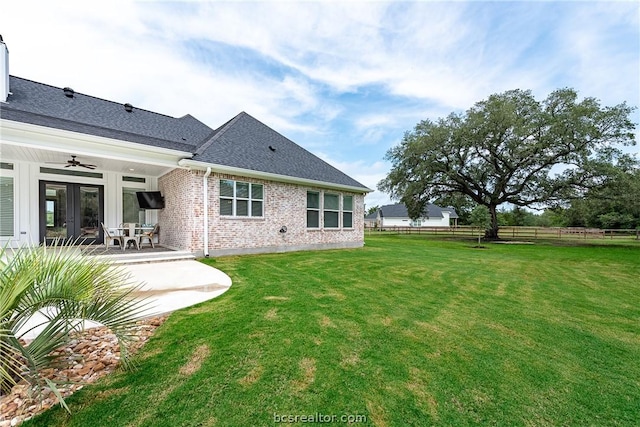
point(331, 210)
point(347, 211)
point(134, 179)
point(6, 206)
point(71, 172)
point(241, 198)
point(313, 209)
point(131, 211)
point(337, 210)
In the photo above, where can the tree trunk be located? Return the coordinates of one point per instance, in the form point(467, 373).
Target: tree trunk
point(492, 232)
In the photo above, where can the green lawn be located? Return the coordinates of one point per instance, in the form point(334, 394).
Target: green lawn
point(406, 331)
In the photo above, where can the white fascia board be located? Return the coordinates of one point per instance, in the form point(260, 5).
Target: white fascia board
point(45, 138)
point(194, 164)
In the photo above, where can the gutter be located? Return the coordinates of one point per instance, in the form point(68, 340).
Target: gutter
point(197, 165)
point(205, 201)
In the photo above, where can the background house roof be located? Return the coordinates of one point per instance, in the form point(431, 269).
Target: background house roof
point(399, 210)
point(243, 142)
point(372, 216)
point(452, 212)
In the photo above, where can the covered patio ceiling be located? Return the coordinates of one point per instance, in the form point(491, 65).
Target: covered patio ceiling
point(58, 159)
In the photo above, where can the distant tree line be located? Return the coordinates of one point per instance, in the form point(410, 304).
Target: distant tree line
point(613, 205)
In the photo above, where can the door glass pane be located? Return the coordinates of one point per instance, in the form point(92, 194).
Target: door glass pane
point(89, 212)
point(56, 211)
point(49, 212)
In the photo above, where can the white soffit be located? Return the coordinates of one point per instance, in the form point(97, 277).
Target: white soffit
point(40, 137)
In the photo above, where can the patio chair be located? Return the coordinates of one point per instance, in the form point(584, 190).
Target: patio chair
point(130, 236)
point(108, 237)
point(149, 235)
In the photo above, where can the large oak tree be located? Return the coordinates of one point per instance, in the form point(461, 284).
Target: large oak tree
point(509, 148)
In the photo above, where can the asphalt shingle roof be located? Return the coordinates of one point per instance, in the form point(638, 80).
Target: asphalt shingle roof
point(399, 210)
point(243, 142)
point(247, 143)
point(45, 105)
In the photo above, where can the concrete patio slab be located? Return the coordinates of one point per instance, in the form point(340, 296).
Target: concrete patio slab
point(177, 284)
point(167, 286)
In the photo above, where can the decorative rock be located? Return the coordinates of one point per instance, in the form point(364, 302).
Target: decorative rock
point(11, 407)
point(84, 370)
point(89, 356)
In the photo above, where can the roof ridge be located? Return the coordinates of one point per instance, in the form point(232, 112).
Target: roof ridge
point(217, 134)
point(100, 99)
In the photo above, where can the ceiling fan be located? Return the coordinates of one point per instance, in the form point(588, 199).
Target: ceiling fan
point(74, 163)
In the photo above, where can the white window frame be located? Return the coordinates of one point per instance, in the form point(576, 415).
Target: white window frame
point(318, 210)
point(344, 210)
point(234, 199)
point(10, 173)
point(336, 211)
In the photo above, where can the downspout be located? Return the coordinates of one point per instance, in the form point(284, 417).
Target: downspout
point(205, 198)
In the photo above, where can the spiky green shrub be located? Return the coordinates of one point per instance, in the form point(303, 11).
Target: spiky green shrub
point(66, 288)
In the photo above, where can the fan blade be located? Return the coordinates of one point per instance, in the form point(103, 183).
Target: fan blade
point(88, 166)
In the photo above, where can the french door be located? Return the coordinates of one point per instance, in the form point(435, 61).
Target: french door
point(71, 211)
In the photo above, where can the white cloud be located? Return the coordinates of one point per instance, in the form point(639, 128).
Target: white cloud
point(421, 60)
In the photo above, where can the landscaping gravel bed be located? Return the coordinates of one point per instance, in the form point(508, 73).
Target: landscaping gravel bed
point(89, 356)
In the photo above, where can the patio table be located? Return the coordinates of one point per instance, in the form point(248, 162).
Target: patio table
point(135, 231)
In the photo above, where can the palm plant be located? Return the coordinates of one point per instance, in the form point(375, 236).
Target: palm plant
point(65, 287)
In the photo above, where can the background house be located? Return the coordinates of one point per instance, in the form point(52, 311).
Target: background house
point(70, 161)
point(397, 216)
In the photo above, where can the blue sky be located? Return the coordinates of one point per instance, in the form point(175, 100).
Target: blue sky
point(345, 80)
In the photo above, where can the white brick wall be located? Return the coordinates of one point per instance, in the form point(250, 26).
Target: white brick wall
point(181, 221)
